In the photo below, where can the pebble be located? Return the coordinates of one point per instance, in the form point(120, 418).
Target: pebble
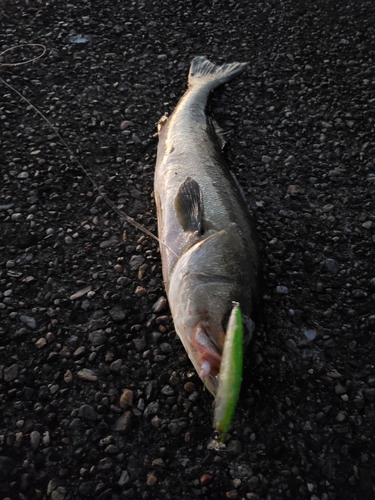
point(291, 160)
point(126, 398)
point(68, 377)
point(160, 305)
point(151, 480)
point(40, 343)
point(266, 159)
point(140, 291)
point(156, 421)
point(80, 293)
point(97, 338)
point(116, 366)
point(332, 265)
point(59, 493)
point(165, 348)
point(111, 242)
point(126, 124)
point(206, 479)
point(124, 422)
point(124, 478)
point(310, 334)
point(35, 439)
point(135, 262)
point(87, 375)
point(28, 321)
point(117, 314)
point(86, 411)
point(282, 290)
point(11, 373)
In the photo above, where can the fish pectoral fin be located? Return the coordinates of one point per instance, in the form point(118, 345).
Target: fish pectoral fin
point(188, 205)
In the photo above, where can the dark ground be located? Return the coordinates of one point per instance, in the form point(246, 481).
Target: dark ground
point(302, 143)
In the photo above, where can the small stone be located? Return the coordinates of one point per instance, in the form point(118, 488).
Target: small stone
point(35, 439)
point(124, 478)
point(52, 485)
point(97, 338)
point(116, 366)
point(142, 271)
point(78, 353)
point(231, 494)
point(11, 373)
point(206, 479)
point(111, 449)
point(340, 389)
point(40, 343)
point(135, 262)
point(291, 345)
point(156, 421)
point(126, 124)
point(28, 321)
point(111, 242)
point(86, 411)
point(294, 189)
point(160, 305)
point(80, 293)
point(165, 348)
point(291, 160)
point(310, 334)
point(158, 462)
point(151, 480)
point(117, 314)
point(368, 224)
point(123, 423)
point(340, 417)
point(87, 375)
point(167, 391)
point(68, 377)
point(282, 290)
point(332, 265)
point(140, 291)
point(189, 387)
point(59, 493)
point(266, 159)
point(126, 398)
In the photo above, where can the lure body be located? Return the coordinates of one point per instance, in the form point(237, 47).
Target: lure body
point(230, 376)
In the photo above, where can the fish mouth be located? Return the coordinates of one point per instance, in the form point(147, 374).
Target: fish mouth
point(209, 352)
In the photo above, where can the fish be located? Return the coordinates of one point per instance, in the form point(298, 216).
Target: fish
point(207, 236)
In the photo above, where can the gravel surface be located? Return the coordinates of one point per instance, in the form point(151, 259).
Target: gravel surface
point(98, 398)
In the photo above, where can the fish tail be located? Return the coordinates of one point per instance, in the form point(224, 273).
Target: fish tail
point(204, 72)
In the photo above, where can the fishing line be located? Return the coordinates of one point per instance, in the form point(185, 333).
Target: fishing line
point(123, 216)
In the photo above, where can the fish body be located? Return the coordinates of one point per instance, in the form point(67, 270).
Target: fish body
point(208, 244)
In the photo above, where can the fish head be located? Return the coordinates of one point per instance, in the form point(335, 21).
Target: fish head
point(203, 286)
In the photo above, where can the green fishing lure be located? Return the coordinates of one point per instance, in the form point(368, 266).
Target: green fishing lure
point(230, 375)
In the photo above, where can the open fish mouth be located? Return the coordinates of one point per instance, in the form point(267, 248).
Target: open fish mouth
point(208, 352)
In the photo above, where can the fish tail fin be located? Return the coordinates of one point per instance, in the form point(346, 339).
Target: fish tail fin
point(204, 72)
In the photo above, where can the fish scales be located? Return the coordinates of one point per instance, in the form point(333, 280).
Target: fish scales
point(208, 243)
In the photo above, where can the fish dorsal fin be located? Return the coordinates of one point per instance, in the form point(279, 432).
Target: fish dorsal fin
point(188, 205)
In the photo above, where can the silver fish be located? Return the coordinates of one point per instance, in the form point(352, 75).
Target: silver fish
point(208, 243)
